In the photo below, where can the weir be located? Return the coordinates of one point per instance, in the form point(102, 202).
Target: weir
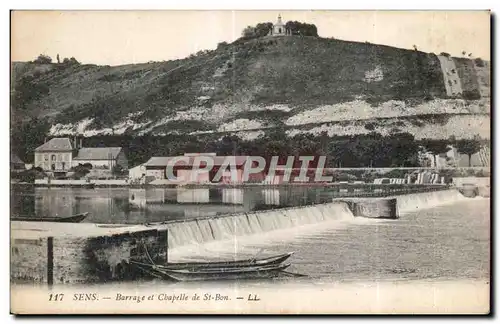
point(224, 227)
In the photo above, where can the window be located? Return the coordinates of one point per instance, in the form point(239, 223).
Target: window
point(46, 157)
point(63, 165)
point(53, 157)
point(279, 30)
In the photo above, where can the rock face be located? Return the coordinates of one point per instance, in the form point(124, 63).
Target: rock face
point(251, 86)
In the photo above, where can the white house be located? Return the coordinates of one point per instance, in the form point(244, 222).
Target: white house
point(55, 155)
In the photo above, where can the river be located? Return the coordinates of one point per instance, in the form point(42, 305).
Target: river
point(450, 241)
point(429, 260)
point(136, 206)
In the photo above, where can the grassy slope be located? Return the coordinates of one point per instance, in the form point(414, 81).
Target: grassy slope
point(302, 72)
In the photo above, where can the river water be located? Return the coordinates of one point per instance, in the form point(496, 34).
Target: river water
point(447, 242)
point(439, 253)
point(451, 241)
point(136, 206)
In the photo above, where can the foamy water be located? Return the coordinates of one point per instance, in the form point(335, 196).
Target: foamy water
point(446, 242)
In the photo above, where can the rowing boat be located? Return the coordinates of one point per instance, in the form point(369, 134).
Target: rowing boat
point(69, 219)
point(220, 273)
point(273, 260)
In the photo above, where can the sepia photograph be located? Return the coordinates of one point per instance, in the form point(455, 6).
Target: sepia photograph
point(250, 162)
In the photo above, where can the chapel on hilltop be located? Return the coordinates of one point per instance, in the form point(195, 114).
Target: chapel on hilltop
point(279, 29)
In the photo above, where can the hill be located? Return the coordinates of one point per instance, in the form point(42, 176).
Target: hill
point(304, 84)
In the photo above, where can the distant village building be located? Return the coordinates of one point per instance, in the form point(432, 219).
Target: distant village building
point(102, 157)
point(59, 155)
point(55, 155)
point(157, 167)
point(279, 29)
point(137, 173)
point(452, 159)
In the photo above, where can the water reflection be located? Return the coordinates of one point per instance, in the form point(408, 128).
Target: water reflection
point(132, 206)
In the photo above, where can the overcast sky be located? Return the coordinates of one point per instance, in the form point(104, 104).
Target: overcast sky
point(124, 37)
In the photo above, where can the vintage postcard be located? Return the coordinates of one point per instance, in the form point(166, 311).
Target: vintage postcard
point(250, 162)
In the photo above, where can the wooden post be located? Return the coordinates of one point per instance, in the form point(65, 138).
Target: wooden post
point(50, 261)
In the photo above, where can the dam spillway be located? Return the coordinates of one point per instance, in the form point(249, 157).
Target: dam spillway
point(224, 227)
point(230, 226)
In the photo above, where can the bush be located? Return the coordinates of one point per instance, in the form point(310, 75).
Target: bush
point(445, 54)
point(43, 59)
point(70, 61)
point(222, 45)
point(479, 62)
point(29, 176)
point(81, 170)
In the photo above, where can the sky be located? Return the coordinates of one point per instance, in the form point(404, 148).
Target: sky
point(127, 37)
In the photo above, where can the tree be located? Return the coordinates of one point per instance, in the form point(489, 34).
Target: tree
point(43, 59)
point(70, 61)
point(469, 147)
point(248, 32)
point(73, 61)
point(87, 165)
point(262, 29)
point(302, 29)
point(479, 62)
point(435, 147)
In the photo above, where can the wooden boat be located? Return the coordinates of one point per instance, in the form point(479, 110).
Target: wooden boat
point(273, 260)
point(254, 272)
point(69, 219)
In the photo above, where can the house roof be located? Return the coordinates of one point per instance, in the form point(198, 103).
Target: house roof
point(163, 161)
point(14, 159)
point(98, 153)
point(55, 144)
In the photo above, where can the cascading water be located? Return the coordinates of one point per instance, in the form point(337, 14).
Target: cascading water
point(424, 200)
point(198, 231)
point(199, 238)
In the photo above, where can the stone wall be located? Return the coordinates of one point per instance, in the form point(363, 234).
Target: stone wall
point(86, 259)
point(28, 259)
point(373, 207)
